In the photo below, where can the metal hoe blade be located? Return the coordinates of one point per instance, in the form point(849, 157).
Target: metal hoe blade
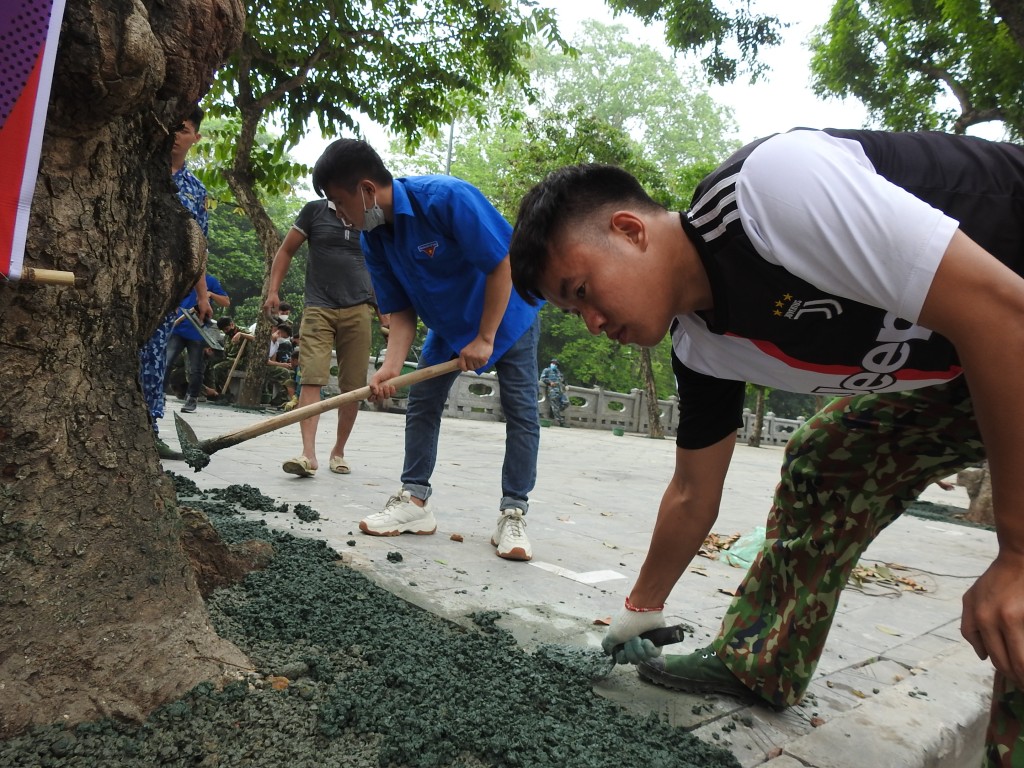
point(191, 448)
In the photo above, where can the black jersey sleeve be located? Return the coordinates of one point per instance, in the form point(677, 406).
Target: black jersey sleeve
point(709, 408)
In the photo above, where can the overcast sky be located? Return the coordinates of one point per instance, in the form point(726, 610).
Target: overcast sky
point(781, 101)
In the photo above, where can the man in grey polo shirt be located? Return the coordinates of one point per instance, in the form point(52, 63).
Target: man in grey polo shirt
point(339, 303)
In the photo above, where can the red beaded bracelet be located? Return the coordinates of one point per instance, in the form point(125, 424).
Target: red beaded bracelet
point(631, 607)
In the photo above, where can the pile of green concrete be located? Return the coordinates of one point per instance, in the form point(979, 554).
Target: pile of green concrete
point(349, 675)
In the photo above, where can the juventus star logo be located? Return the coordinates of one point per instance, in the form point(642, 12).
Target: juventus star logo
point(798, 308)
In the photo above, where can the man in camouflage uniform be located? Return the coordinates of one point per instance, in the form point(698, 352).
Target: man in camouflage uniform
point(232, 348)
point(554, 391)
point(879, 269)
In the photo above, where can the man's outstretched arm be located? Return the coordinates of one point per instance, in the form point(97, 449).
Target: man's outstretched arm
point(978, 304)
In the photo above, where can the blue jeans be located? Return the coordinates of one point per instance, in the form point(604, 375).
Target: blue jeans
point(196, 360)
point(517, 389)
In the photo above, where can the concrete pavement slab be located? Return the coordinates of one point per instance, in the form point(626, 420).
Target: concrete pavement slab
point(590, 521)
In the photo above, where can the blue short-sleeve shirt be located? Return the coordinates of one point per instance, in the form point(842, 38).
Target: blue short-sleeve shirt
point(185, 328)
point(445, 239)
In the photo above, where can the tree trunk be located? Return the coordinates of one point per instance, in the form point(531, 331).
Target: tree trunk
point(242, 182)
point(754, 441)
point(654, 427)
point(978, 483)
point(101, 613)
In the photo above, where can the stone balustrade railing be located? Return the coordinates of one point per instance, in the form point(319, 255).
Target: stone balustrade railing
point(476, 397)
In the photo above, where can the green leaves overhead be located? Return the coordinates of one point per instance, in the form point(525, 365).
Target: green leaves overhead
point(923, 64)
point(405, 65)
point(716, 31)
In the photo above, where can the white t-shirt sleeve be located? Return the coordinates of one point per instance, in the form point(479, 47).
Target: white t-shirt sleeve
point(813, 204)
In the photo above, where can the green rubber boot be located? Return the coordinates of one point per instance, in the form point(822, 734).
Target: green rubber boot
point(698, 672)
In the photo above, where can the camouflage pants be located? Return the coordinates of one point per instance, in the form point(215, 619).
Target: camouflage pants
point(847, 474)
point(556, 403)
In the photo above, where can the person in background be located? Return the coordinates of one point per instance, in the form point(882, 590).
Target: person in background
point(232, 348)
point(554, 391)
point(278, 377)
point(297, 379)
point(339, 304)
point(438, 250)
point(153, 354)
point(185, 338)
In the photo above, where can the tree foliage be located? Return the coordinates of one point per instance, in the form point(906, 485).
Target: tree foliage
point(728, 35)
point(916, 64)
point(236, 257)
point(904, 59)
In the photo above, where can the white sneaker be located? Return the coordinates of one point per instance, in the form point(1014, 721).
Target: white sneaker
point(510, 536)
point(400, 515)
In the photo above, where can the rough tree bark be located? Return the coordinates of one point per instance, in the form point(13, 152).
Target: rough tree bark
point(101, 613)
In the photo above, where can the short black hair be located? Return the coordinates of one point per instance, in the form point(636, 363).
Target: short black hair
point(345, 162)
point(196, 116)
point(284, 306)
point(564, 197)
point(225, 322)
point(284, 327)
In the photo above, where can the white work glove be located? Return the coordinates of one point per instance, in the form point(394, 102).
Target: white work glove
point(625, 630)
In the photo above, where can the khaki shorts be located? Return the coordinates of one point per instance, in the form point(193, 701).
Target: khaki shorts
point(345, 330)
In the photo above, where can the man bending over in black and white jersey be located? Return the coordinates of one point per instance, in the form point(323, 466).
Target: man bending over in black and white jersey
point(878, 269)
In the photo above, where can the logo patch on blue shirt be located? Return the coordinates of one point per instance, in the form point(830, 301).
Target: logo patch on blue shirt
point(428, 248)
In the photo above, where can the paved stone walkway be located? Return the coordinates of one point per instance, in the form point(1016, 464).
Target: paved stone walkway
point(897, 685)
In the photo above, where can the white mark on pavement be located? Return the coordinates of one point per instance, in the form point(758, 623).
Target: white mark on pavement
point(586, 577)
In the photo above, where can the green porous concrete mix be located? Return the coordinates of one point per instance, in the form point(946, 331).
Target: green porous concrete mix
point(347, 674)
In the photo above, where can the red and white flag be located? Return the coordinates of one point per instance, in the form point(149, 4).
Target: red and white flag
point(29, 30)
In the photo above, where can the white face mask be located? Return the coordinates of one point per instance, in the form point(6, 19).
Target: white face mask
point(372, 217)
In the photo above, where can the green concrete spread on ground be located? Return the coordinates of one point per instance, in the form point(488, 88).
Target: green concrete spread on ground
point(376, 682)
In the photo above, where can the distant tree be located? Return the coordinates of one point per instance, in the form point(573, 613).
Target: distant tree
point(904, 60)
point(713, 30)
point(635, 88)
point(236, 257)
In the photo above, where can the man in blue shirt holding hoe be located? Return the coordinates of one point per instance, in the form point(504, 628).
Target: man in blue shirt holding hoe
point(438, 250)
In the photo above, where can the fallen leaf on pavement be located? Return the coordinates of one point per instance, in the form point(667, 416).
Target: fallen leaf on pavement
point(714, 543)
point(888, 630)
